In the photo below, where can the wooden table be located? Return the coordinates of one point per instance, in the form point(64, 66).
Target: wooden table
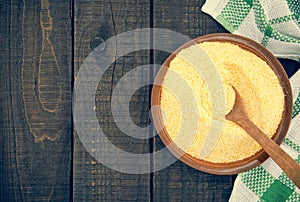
point(43, 44)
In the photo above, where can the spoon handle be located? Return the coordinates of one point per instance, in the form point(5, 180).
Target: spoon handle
point(283, 160)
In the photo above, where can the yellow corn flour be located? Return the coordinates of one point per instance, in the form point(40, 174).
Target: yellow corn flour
point(257, 84)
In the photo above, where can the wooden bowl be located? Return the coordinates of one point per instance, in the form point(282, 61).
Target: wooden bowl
point(240, 165)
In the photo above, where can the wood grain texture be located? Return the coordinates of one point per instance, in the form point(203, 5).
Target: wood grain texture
point(96, 22)
point(179, 182)
point(35, 100)
point(43, 44)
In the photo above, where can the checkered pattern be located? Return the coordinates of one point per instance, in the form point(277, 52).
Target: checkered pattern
point(273, 23)
point(268, 182)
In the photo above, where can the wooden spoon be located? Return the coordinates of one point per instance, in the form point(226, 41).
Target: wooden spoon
point(282, 159)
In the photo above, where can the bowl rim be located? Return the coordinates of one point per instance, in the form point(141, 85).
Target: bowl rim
point(251, 161)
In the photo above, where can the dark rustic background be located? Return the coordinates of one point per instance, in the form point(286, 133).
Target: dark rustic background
point(42, 46)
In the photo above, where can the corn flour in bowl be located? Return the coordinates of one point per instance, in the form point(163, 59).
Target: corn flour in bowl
point(241, 63)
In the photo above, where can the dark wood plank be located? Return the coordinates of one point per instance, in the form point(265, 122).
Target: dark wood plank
point(35, 101)
point(290, 66)
point(95, 22)
point(179, 182)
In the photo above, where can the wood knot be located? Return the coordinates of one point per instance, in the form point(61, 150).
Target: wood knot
point(98, 44)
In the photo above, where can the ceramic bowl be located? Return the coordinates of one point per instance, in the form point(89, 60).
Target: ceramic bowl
point(240, 165)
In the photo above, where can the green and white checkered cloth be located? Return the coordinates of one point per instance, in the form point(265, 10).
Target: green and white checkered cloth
point(273, 23)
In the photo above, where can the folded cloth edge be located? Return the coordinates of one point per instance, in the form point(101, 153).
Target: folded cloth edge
point(215, 8)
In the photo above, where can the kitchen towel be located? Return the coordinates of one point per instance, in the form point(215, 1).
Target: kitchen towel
point(273, 23)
